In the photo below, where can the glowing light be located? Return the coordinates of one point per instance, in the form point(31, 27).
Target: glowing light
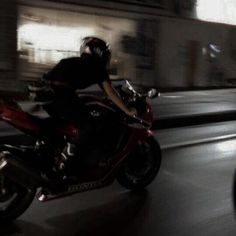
point(53, 37)
point(222, 11)
point(228, 146)
point(50, 43)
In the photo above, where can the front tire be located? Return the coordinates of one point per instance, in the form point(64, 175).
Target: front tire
point(141, 166)
point(14, 199)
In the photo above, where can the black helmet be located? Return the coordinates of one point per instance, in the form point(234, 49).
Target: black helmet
point(96, 47)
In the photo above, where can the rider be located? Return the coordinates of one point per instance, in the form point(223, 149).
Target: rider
point(75, 73)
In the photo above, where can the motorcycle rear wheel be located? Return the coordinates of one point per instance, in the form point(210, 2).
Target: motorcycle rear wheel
point(141, 166)
point(14, 199)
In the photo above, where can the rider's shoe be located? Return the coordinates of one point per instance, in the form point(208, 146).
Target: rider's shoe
point(68, 153)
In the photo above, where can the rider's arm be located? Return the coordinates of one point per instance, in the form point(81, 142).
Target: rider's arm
point(112, 94)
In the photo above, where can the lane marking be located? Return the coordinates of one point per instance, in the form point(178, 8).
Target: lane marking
point(197, 142)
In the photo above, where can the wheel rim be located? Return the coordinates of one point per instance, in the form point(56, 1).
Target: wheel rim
point(140, 164)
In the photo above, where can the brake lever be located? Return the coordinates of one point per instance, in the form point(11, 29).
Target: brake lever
point(141, 121)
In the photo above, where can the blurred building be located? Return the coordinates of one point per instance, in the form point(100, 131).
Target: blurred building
point(8, 42)
point(154, 42)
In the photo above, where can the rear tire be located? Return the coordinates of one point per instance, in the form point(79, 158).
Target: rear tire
point(141, 166)
point(14, 199)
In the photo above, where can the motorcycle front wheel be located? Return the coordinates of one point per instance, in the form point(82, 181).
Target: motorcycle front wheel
point(141, 166)
point(14, 199)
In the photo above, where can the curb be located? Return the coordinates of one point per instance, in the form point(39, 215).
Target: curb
point(198, 119)
point(197, 142)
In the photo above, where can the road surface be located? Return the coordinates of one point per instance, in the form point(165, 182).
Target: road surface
point(192, 195)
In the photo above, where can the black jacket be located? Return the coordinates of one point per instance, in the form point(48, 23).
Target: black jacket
point(79, 72)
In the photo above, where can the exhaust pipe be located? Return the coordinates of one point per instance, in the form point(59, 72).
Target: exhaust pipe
point(19, 172)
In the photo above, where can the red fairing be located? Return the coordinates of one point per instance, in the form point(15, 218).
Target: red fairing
point(70, 130)
point(1, 107)
point(17, 118)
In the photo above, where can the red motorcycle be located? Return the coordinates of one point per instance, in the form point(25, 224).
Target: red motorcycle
point(126, 151)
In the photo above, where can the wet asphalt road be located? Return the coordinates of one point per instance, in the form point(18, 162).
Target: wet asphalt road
point(192, 195)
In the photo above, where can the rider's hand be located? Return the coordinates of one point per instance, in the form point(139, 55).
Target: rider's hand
point(132, 112)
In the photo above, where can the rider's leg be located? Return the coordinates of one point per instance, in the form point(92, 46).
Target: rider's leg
point(75, 148)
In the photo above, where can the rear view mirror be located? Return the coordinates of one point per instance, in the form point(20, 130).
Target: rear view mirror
point(152, 93)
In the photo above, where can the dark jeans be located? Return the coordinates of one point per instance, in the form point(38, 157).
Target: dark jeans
point(94, 132)
point(72, 110)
